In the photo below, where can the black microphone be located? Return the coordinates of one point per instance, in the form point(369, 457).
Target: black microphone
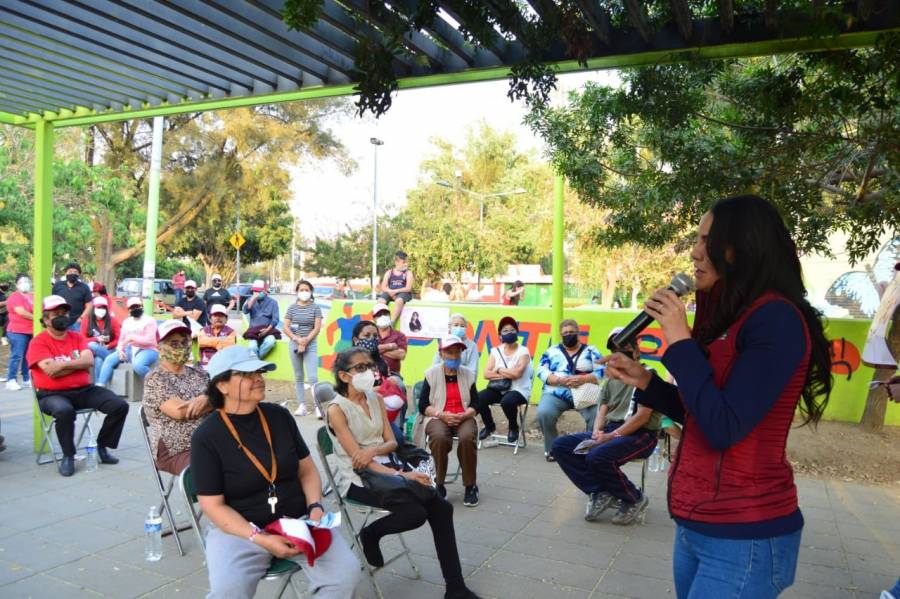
point(681, 284)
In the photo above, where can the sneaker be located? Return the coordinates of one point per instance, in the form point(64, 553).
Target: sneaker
point(485, 433)
point(471, 497)
point(26, 384)
point(3, 379)
point(596, 505)
point(629, 512)
point(318, 413)
point(301, 411)
point(887, 595)
point(13, 385)
point(549, 457)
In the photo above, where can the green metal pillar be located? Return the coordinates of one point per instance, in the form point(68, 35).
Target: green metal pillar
point(42, 240)
point(559, 265)
point(152, 214)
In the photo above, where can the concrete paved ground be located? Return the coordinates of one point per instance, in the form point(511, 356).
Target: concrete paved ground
point(83, 536)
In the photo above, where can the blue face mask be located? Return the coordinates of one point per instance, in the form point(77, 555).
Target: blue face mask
point(370, 344)
point(262, 294)
point(458, 331)
point(509, 337)
point(452, 364)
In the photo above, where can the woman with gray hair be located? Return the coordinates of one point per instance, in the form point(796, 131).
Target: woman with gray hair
point(470, 355)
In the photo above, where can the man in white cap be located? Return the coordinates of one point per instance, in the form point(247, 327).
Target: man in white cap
point(59, 360)
point(217, 294)
point(216, 335)
point(447, 406)
point(623, 431)
point(137, 344)
point(190, 307)
point(263, 311)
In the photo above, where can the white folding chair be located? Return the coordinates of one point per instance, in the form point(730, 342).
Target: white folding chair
point(165, 489)
point(48, 432)
point(521, 442)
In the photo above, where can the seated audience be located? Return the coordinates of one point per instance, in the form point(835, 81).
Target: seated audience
point(251, 467)
point(101, 329)
point(470, 356)
point(447, 408)
point(391, 388)
point(59, 360)
point(174, 398)
point(391, 342)
point(264, 318)
point(216, 335)
point(564, 367)
point(367, 470)
point(621, 437)
point(191, 308)
point(397, 285)
point(218, 294)
point(137, 344)
point(509, 374)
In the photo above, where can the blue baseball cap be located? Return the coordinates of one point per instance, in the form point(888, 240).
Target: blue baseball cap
point(236, 357)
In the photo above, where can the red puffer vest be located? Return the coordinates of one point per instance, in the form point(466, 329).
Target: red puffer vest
point(751, 481)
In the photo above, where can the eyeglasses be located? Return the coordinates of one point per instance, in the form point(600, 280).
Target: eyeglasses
point(247, 374)
point(361, 367)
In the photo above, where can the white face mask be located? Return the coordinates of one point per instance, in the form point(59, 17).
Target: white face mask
point(304, 296)
point(363, 381)
point(383, 322)
point(24, 286)
point(100, 312)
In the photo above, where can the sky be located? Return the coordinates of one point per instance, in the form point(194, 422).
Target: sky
point(326, 201)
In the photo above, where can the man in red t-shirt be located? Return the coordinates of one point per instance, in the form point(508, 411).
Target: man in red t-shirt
point(59, 360)
point(391, 343)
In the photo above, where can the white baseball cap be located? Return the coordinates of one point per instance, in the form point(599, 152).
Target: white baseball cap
point(258, 285)
point(100, 301)
point(52, 302)
point(173, 326)
point(190, 283)
point(448, 341)
point(217, 276)
point(134, 302)
point(218, 309)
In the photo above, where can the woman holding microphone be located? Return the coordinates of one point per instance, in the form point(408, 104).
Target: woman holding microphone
point(756, 352)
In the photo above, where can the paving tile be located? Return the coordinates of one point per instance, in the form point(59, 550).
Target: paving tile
point(82, 535)
point(642, 565)
point(113, 578)
point(808, 590)
point(822, 557)
point(489, 582)
point(824, 575)
point(26, 549)
point(547, 570)
point(596, 555)
point(635, 585)
point(46, 587)
point(12, 571)
point(871, 584)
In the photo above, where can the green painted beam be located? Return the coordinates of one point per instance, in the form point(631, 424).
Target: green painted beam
point(42, 240)
point(12, 119)
point(768, 47)
point(559, 261)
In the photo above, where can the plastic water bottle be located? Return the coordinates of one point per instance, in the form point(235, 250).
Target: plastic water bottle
point(153, 536)
point(90, 459)
point(653, 461)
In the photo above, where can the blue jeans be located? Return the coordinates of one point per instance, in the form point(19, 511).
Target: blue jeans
point(100, 352)
point(600, 468)
point(179, 293)
point(142, 362)
point(262, 349)
point(18, 345)
point(896, 590)
point(305, 365)
point(733, 568)
point(75, 327)
point(551, 408)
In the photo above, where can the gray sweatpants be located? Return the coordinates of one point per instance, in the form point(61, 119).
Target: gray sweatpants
point(236, 566)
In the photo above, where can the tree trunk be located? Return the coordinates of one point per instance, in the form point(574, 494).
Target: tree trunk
point(876, 402)
point(609, 286)
point(635, 290)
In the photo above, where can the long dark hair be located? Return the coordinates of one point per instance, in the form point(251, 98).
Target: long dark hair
point(763, 257)
point(379, 361)
point(213, 396)
point(341, 363)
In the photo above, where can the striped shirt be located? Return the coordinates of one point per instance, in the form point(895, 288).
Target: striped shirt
point(303, 318)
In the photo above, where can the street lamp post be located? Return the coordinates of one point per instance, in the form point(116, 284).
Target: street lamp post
point(375, 143)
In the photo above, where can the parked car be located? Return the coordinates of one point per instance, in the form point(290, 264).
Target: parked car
point(163, 292)
point(244, 294)
point(325, 293)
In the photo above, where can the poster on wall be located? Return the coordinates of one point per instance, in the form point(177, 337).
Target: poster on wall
point(424, 321)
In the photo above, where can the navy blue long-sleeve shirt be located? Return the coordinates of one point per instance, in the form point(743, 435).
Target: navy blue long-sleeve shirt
point(771, 345)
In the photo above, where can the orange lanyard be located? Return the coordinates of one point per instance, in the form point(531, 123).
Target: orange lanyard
point(265, 426)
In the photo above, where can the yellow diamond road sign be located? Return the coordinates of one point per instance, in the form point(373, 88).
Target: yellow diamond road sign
point(237, 240)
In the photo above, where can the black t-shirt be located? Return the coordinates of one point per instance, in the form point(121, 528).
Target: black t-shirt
point(214, 296)
point(189, 305)
point(220, 467)
point(76, 296)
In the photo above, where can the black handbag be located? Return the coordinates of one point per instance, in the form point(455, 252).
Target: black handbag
point(501, 385)
point(390, 489)
point(410, 455)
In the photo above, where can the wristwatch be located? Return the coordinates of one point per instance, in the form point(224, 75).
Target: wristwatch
point(313, 506)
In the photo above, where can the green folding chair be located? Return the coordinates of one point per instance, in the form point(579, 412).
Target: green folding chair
point(326, 448)
point(281, 570)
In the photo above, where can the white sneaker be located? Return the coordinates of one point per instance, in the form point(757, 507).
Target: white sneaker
point(318, 413)
point(26, 384)
point(3, 379)
point(301, 411)
point(13, 386)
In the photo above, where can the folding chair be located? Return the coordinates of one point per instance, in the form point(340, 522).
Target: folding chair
point(281, 570)
point(417, 391)
point(323, 392)
point(47, 432)
point(326, 448)
point(165, 489)
point(521, 442)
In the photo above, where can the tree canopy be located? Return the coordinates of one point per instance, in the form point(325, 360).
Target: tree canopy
point(817, 134)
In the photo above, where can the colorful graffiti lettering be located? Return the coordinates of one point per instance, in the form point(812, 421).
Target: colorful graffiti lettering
point(652, 344)
point(487, 337)
point(845, 358)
